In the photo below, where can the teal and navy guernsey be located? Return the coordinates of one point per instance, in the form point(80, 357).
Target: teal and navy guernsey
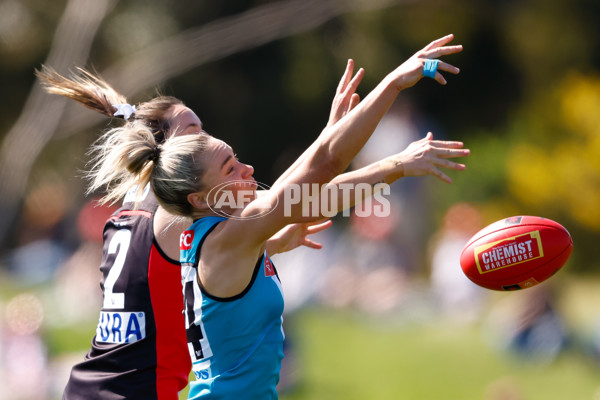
point(236, 343)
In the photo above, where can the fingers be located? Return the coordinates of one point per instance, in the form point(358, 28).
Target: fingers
point(435, 50)
point(426, 139)
point(452, 144)
point(441, 161)
point(442, 176)
point(450, 165)
point(439, 78)
point(427, 156)
point(354, 100)
point(438, 47)
point(439, 42)
point(443, 144)
point(353, 85)
point(440, 151)
point(346, 76)
point(442, 51)
point(312, 228)
point(349, 83)
point(410, 73)
point(444, 66)
point(444, 150)
point(318, 227)
point(311, 244)
point(345, 98)
point(453, 153)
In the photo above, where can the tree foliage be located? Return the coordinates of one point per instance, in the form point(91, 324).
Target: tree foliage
point(526, 101)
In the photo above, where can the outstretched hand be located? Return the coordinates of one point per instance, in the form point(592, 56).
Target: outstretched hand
point(296, 235)
point(411, 71)
point(426, 156)
point(344, 101)
point(346, 97)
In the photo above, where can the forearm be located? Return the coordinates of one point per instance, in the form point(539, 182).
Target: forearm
point(346, 138)
point(387, 170)
point(335, 148)
point(351, 188)
point(299, 161)
point(344, 101)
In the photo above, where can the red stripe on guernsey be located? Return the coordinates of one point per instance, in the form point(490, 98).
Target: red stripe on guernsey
point(172, 355)
point(269, 270)
point(132, 213)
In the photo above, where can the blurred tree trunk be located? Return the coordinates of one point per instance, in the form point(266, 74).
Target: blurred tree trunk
point(38, 120)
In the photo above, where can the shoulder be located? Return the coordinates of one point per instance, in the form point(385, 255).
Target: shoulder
point(167, 231)
point(192, 238)
point(225, 266)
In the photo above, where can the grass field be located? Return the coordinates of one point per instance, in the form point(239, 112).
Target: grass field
point(354, 356)
point(345, 358)
point(349, 355)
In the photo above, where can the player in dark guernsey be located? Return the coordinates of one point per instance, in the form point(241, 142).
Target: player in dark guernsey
point(233, 297)
point(140, 348)
point(138, 351)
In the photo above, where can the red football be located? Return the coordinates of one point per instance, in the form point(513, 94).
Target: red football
point(516, 253)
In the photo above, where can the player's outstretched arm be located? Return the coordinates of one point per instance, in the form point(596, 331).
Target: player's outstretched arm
point(333, 151)
point(344, 101)
point(341, 141)
point(422, 157)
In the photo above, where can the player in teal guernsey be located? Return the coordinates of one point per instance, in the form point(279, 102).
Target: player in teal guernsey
point(146, 278)
point(233, 300)
point(239, 356)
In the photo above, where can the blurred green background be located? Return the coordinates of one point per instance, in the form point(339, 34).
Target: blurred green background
point(261, 75)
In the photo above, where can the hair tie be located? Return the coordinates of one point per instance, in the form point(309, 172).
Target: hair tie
point(124, 110)
point(155, 154)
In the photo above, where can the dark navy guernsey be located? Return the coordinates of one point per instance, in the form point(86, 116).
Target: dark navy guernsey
point(139, 350)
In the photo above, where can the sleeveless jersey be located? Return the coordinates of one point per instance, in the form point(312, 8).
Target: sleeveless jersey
point(139, 350)
point(236, 343)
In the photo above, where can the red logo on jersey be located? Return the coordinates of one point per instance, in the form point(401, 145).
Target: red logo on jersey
point(185, 240)
point(269, 270)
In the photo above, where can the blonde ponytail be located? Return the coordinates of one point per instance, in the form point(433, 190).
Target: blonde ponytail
point(138, 152)
point(121, 158)
point(85, 88)
point(96, 94)
point(130, 156)
point(179, 172)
